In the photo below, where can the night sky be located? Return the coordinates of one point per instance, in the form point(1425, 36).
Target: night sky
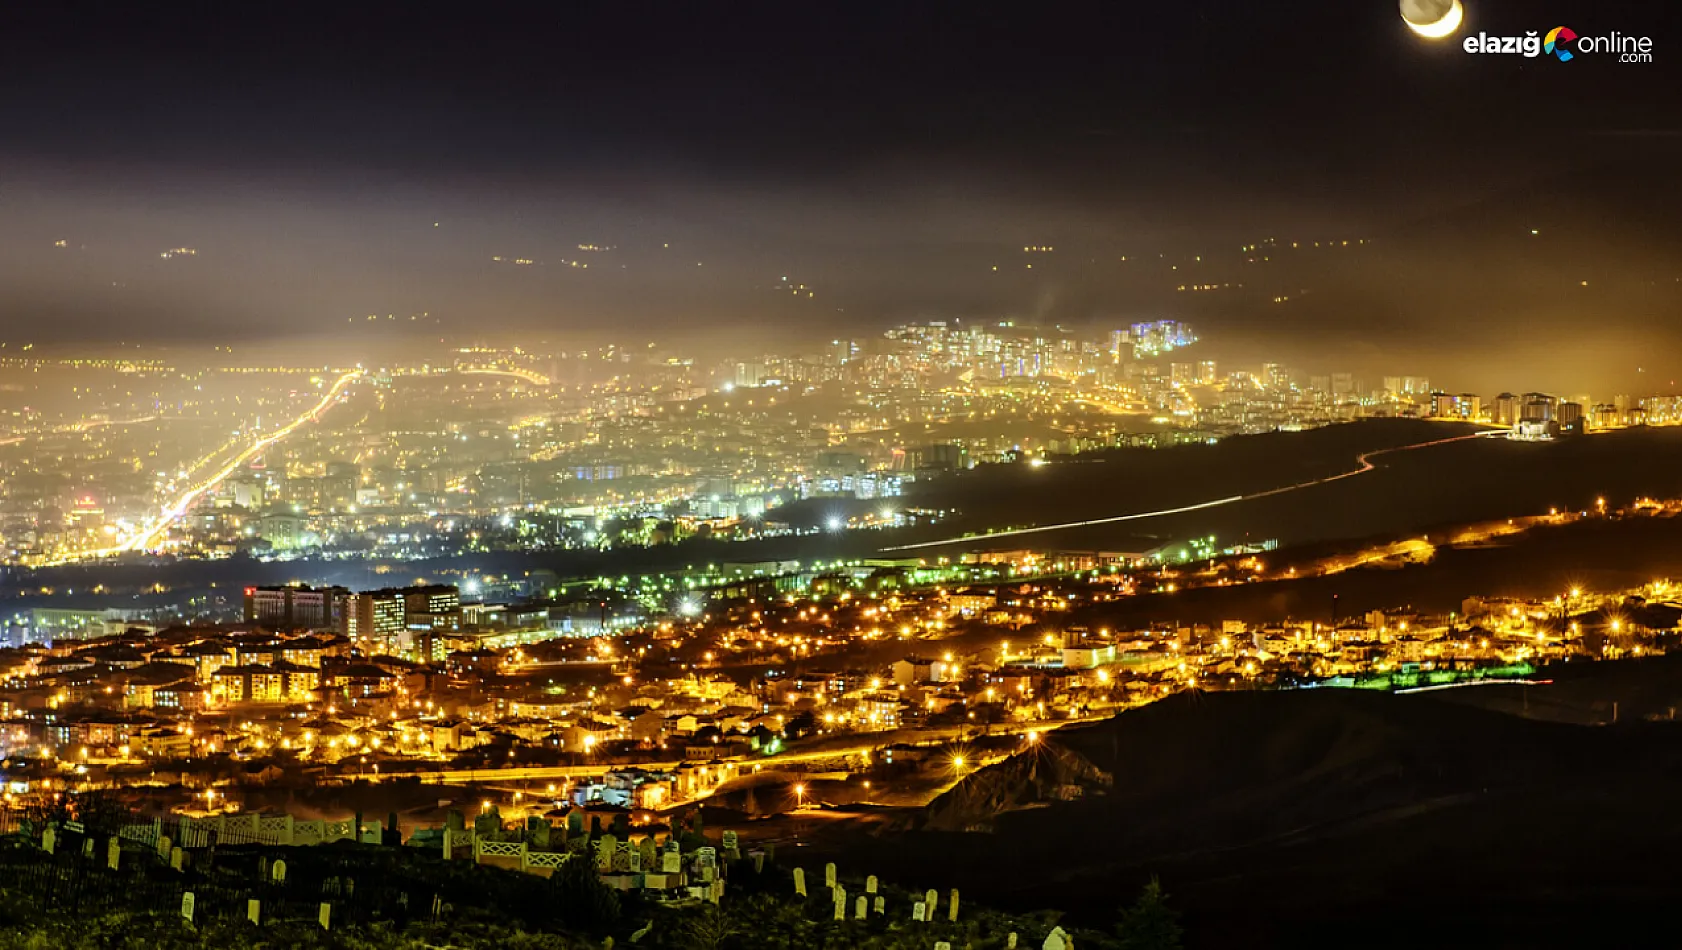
point(328, 167)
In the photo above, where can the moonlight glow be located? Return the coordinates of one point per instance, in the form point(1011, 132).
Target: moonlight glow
point(1432, 20)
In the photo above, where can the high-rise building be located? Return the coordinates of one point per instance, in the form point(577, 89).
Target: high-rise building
point(1508, 410)
point(1538, 407)
point(296, 607)
point(1206, 373)
point(1465, 406)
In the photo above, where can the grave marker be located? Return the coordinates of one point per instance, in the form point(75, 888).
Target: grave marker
point(114, 853)
point(278, 870)
point(952, 911)
point(861, 908)
point(254, 911)
point(800, 881)
point(187, 906)
point(918, 913)
point(325, 915)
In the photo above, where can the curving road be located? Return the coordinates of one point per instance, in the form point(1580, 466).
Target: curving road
point(1366, 465)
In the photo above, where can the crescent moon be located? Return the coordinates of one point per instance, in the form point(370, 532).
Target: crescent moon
point(1447, 26)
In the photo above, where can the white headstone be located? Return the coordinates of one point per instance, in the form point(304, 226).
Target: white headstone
point(1056, 940)
point(861, 908)
point(671, 862)
point(870, 884)
point(1010, 941)
point(278, 871)
point(942, 945)
point(829, 874)
point(254, 911)
point(164, 844)
point(918, 912)
point(187, 906)
point(841, 908)
point(881, 904)
point(87, 848)
point(800, 881)
point(49, 840)
point(931, 900)
point(636, 861)
point(325, 915)
point(114, 853)
point(952, 910)
point(730, 841)
point(175, 859)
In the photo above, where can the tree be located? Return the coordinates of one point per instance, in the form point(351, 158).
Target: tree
point(709, 929)
point(584, 901)
point(1150, 924)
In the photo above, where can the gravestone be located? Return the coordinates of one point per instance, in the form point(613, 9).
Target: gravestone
point(325, 916)
point(861, 908)
point(1056, 940)
point(605, 846)
point(575, 822)
point(1010, 941)
point(758, 862)
point(254, 911)
point(942, 945)
point(829, 874)
point(730, 845)
point(49, 840)
point(278, 871)
point(622, 857)
point(870, 884)
point(841, 907)
point(176, 859)
point(114, 853)
point(634, 859)
point(486, 823)
point(881, 904)
point(671, 863)
point(164, 844)
point(87, 848)
point(455, 821)
point(187, 906)
point(952, 909)
point(800, 881)
point(715, 891)
point(918, 913)
point(650, 854)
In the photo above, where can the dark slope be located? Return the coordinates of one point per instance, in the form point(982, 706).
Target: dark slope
point(1292, 817)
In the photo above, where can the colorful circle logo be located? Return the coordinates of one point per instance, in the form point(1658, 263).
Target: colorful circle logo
point(1555, 43)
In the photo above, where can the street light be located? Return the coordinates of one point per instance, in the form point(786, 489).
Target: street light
point(799, 797)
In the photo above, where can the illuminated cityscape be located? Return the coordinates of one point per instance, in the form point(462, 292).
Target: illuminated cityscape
point(863, 478)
